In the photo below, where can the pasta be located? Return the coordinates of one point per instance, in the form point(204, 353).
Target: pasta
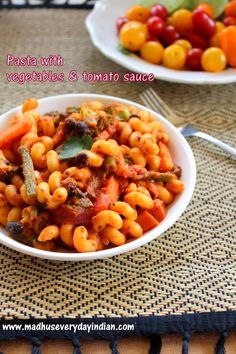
point(92, 177)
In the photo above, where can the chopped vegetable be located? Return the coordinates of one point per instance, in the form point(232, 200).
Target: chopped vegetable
point(147, 221)
point(74, 145)
point(28, 171)
point(109, 194)
point(159, 211)
point(14, 132)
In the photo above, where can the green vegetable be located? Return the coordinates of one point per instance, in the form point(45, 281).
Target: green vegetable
point(74, 145)
point(28, 171)
point(171, 5)
point(123, 50)
point(73, 109)
point(123, 115)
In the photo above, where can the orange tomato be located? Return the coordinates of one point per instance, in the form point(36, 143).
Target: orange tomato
point(174, 57)
point(133, 35)
point(215, 41)
point(207, 8)
point(182, 20)
point(228, 44)
point(230, 9)
point(152, 52)
point(138, 13)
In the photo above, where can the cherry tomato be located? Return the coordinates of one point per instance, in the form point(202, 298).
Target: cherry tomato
point(156, 25)
point(152, 38)
point(215, 40)
point(174, 57)
point(138, 13)
point(229, 21)
point(230, 9)
point(207, 8)
point(203, 24)
point(152, 52)
point(193, 61)
point(184, 43)
point(160, 11)
point(120, 22)
point(182, 20)
point(213, 60)
point(169, 35)
point(133, 35)
point(228, 44)
point(219, 27)
point(196, 40)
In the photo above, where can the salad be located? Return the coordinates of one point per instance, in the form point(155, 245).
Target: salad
point(181, 34)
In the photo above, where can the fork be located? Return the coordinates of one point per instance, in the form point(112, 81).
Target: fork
point(151, 100)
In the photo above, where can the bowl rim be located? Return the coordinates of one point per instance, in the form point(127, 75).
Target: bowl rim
point(191, 77)
point(150, 235)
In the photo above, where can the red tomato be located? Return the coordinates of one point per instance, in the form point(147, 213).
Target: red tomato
point(203, 24)
point(228, 44)
point(230, 9)
point(169, 35)
point(152, 38)
point(121, 21)
point(193, 61)
point(160, 11)
point(196, 40)
point(156, 25)
point(229, 21)
point(207, 8)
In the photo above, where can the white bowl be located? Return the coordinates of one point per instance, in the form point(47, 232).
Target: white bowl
point(101, 26)
point(182, 156)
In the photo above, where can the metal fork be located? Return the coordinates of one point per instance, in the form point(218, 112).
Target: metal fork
point(151, 99)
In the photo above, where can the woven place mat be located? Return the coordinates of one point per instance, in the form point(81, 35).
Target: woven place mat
point(189, 269)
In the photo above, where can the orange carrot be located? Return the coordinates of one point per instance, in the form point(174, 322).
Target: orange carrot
point(166, 163)
point(153, 188)
point(146, 221)
point(112, 189)
point(15, 131)
point(109, 194)
point(159, 211)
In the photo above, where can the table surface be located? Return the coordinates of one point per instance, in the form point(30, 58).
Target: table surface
point(200, 344)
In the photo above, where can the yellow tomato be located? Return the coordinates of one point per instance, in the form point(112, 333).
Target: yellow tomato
point(138, 13)
point(174, 57)
point(182, 20)
point(152, 52)
point(214, 60)
point(184, 43)
point(219, 27)
point(133, 35)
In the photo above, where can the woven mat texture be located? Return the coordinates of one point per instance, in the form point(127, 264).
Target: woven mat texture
point(192, 267)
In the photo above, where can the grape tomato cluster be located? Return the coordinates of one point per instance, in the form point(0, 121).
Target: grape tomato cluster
point(185, 39)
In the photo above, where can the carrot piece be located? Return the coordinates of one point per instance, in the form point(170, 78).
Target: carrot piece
point(166, 163)
point(153, 188)
point(146, 221)
point(109, 194)
point(112, 189)
point(15, 131)
point(104, 135)
point(159, 211)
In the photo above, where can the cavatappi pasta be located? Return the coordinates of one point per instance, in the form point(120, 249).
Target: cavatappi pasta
point(93, 177)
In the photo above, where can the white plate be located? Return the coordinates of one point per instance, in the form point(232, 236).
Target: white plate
point(182, 156)
point(101, 26)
